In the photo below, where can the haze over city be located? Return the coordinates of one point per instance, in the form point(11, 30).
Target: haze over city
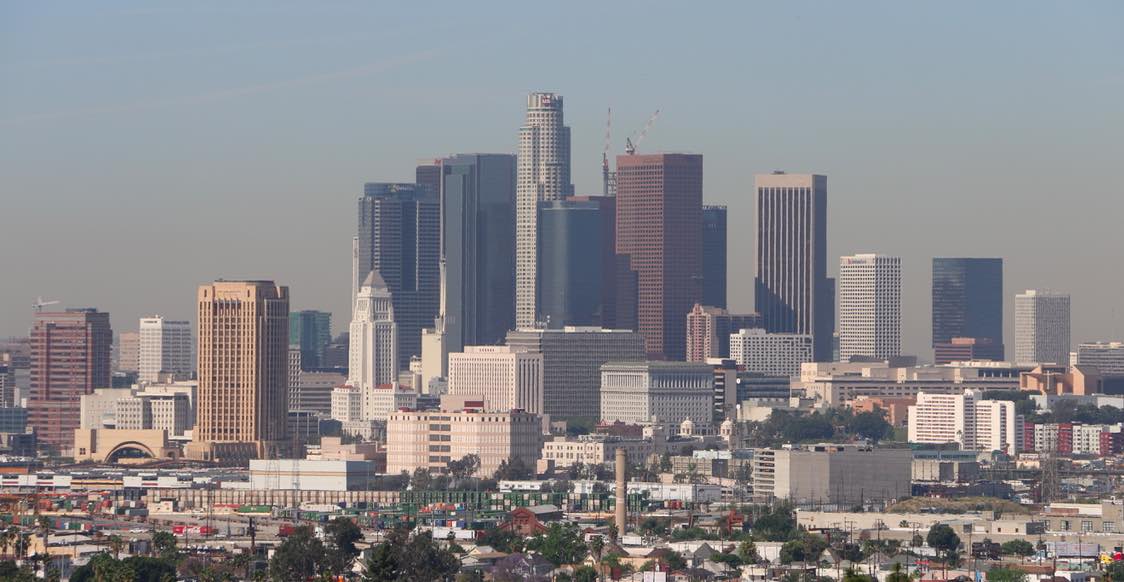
point(148, 148)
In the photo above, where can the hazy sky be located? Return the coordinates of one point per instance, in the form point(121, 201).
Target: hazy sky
point(149, 147)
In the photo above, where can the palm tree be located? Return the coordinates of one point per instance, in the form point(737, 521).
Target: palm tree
point(7, 538)
point(596, 546)
point(116, 544)
point(897, 574)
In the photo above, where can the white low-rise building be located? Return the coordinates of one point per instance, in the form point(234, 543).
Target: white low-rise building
point(664, 393)
point(966, 419)
point(772, 354)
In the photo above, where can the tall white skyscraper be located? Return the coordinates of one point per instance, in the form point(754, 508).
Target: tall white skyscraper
point(542, 174)
point(165, 346)
point(1041, 327)
point(870, 306)
point(373, 355)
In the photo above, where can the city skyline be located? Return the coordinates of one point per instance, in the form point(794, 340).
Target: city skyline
point(866, 210)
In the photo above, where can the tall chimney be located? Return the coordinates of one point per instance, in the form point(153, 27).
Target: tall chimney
point(621, 493)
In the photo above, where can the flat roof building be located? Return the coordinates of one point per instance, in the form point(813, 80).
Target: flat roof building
point(572, 359)
point(659, 226)
point(69, 358)
point(243, 371)
point(792, 291)
point(829, 473)
point(772, 354)
point(430, 439)
point(503, 377)
point(664, 393)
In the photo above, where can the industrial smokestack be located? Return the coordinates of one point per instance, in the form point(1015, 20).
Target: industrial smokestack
point(621, 493)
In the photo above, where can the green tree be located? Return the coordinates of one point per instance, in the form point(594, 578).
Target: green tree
point(943, 539)
point(585, 574)
point(164, 544)
point(146, 569)
point(1114, 572)
point(116, 544)
point(672, 559)
point(1006, 575)
point(103, 568)
point(514, 469)
point(340, 536)
point(382, 564)
point(8, 539)
point(299, 557)
point(561, 544)
point(776, 524)
point(665, 462)
point(502, 540)
point(464, 467)
point(747, 551)
point(596, 547)
point(731, 560)
point(853, 576)
point(421, 480)
point(10, 572)
point(898, 574)
point(410, 559)
point(806, 548)
point(870, 425)
point(1017, 548)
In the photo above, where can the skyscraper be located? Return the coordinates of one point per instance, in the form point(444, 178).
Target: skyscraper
point(128, 351)
point(543, 174)
point(478, 244)
point(400, 238)
point(870, 306)
point(311, 331)
point(571, 265)
point(1042, 327)
point(792, 291)
point(165, 346)
point(659, 221)
point(428, 174)
point(968, 300)
point(714, 256)
point(373, 336)
point(243, 350)
point(69, 358)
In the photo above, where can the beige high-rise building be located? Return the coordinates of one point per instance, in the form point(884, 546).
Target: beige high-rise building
point(504, 377)
point(429, 440)
point(243, 354)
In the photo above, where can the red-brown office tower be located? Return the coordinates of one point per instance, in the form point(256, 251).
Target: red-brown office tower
point(69, 358)
point(659, 229)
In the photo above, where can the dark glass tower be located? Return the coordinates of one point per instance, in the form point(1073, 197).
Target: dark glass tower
point(400, 237)
point(479, 248)
point(312, 332)
point(571, 263)
point(714, 256)
point(968, 300)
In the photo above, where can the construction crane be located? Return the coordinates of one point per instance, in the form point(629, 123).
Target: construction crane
point(630, 145)
point(606, 188)
point(40, 304)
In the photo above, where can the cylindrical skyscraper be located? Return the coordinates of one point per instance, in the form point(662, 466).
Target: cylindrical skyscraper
point(543, 174)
